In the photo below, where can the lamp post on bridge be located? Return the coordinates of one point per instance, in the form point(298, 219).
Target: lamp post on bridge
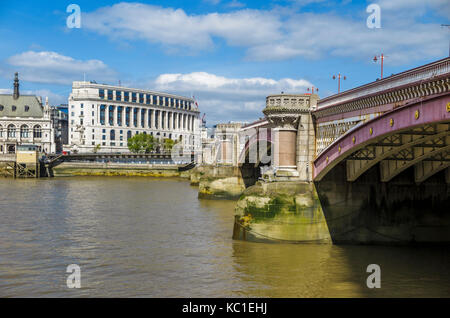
point(312, 89)
point(339, 80)
point(381, 58)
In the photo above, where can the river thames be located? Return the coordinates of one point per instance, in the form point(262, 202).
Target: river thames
point(143, 237)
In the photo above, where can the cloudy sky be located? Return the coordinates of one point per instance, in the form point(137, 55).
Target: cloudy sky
point(229, 54)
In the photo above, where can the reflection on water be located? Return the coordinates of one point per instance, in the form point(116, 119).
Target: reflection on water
point(137, 237)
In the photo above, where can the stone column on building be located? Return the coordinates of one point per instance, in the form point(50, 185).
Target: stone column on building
point(145, 116)
point(138, 117)
point(159, 119)
point(114, 116)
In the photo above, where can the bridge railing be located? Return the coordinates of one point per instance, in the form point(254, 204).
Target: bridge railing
point(417, 74)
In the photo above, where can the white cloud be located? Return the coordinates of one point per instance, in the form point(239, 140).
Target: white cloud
point(54, 68)
point(281, 33)
point(53, 98)
point(224, 98)
point(169, 26)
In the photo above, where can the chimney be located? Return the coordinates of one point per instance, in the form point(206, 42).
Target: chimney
point(16, 86)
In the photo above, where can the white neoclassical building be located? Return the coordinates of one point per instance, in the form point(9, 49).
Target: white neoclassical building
point(104, 117)
point(24, 120)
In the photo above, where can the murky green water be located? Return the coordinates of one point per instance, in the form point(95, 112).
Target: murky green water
point(136, 237)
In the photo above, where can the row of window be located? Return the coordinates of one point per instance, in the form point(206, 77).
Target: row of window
point(183, 121)
point(149, 99)
point(26, 108)
point(24, 131)
point(112, 134)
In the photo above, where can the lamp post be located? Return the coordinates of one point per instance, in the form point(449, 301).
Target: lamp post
point(381, 58)
point(339, 80)
point(312, 89)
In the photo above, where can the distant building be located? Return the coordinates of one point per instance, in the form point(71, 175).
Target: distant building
point(107, 116)
point(25, 120)
point(60, 122)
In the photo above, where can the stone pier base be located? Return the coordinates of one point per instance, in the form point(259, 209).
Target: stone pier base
point(280, 212)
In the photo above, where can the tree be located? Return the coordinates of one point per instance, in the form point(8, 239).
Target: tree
point(96, 148)
point(168, 144)
point(141, 143)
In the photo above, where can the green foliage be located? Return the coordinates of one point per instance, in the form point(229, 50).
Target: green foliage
point(142, 143)
point(168, 144)
point(96, 148)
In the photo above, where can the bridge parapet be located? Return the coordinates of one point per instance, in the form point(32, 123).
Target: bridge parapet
point(338, 114)
point(422, 73)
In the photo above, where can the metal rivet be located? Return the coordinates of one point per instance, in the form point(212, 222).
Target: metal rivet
point(416, 114)
point(391, 122)
point(370, 131)
point(354, 139)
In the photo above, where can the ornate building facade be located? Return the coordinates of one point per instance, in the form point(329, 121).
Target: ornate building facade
point(24, 120)
point(103, 117)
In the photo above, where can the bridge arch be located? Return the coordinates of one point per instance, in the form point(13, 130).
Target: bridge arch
point(416, 135)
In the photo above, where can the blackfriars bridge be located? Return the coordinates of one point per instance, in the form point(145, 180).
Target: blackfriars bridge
point(378, 154)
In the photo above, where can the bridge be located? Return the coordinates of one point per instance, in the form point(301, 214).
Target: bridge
point(378, 155)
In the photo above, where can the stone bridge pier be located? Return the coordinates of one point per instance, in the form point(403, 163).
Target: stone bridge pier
point(293, 138)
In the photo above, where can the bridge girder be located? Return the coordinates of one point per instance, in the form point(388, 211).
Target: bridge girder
point(397, 147)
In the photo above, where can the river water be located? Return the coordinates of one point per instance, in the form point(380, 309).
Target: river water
point(143, 237)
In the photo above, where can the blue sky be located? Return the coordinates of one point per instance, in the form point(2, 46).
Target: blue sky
point(230, 54)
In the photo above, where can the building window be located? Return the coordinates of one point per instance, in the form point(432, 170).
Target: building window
point(135, 113)
point(141, 98)
point(101, 94)
point(102, 114)
point(2, 107)
point(27, 108)
point(126, 96)
point(128, 134)
point(118, 95)
point(127, 116)
point(155, 100)
point(82, 105)
point(111, 115)
point(37, 131)
point(142, 117)
point(110, 95)
point(133, 97)
point(14, 107)
point(112, 135)
point(11, 131)
point(119, 115)
point(148, 99)
point(1, 131)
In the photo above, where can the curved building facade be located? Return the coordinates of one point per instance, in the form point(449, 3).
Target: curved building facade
point(102, 117)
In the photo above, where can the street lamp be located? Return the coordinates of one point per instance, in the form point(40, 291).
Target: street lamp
point(381, 58)
point(312, 89)
point(339, 80)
